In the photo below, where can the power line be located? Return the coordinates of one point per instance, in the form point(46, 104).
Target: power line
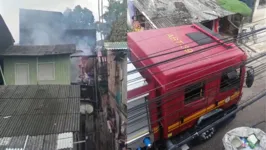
point(175, 92)
point(248, 61)
point(183, 86)
point(130, 118)
point(263, 29)
point(144, 58)
point(200, 59)
point(179, 66)
point(139, 120)
point(150, 109)
point(188, 54)
point(141, 106)
point(192, 136)
point(191, 96)
point(158, 120)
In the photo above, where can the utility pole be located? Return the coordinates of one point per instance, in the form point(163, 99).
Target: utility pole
point(102, 36)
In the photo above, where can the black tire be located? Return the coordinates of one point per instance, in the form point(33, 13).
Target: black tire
point(207, 134)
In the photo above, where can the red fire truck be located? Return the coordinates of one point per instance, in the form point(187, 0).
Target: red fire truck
point(203, 81)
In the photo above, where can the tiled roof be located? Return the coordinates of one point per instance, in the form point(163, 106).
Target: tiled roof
point(115, 45)
point(39, 109)
point(38, 50)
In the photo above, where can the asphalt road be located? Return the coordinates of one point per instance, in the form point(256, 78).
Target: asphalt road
point(248, 117)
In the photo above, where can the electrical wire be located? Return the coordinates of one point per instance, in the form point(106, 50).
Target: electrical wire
point(144, 58)
point(197, 133)
point(248, 61)
point(133, 80)
point(197, 60)
point(160, 119)
point(157, 99)
point(130, 118)
point(189, 54)
point(151, 101)
point(183, 86)
point(171, 48)
point(171, 94)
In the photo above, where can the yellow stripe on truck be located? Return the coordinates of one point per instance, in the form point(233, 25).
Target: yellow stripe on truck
point(200, 113)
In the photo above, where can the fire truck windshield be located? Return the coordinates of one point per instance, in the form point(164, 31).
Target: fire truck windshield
point(230, 80)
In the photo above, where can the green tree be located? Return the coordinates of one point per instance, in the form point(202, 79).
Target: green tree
point(115, 10)
point(79, 18)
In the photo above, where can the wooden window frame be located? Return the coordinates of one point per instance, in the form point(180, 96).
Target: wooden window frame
point(234, 85)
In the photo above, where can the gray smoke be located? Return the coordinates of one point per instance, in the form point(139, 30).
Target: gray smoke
point(48, 28)
point(81, 44)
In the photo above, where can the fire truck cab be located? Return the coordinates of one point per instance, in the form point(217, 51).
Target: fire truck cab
point(204, 78)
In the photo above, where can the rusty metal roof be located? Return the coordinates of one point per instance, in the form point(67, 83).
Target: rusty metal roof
point(39, 109)
point(180, 12)
point(38, 50)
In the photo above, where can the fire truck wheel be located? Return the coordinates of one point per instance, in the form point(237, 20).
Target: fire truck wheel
point(207, 134)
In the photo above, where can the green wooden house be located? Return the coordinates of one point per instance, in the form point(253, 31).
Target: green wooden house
point(32, 65)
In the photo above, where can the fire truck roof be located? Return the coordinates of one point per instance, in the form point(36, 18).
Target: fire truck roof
point(205, 53)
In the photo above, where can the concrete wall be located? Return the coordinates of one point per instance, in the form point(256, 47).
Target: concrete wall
point(62, 69)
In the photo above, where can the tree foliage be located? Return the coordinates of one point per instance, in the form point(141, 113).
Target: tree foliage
point(79, 18)
point(114, 11)
point(82, 18)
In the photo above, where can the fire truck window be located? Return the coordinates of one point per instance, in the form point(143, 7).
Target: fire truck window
point(230, 80)
point(194, 93)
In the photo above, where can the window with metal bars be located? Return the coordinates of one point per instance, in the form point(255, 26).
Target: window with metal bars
point(194, 92)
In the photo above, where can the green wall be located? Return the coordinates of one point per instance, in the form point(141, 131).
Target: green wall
point(62, 69)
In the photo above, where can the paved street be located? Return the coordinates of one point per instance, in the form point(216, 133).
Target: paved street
point(248, 117)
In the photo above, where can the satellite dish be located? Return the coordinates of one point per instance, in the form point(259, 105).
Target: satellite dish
point(86, 109)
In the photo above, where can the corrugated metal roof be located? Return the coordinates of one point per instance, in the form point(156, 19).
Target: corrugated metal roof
point(36, 110)
point(38, 50)
point(62, 141)
point(115, 45)
point(65, 140)
point(180, 12)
